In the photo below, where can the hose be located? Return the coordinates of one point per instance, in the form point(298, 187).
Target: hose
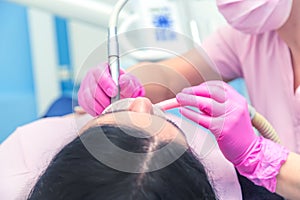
point(263, 126)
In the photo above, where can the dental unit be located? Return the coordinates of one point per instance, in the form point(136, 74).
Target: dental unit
point(258, 121)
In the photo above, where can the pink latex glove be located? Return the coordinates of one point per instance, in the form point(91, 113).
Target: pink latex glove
point(224, 112)
point(97, 88)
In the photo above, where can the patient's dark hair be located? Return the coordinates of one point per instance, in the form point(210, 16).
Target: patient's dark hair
point(75, 174)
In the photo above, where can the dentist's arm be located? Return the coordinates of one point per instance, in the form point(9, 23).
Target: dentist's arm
point(163, 80)
point(288, 179)
point(225, 113)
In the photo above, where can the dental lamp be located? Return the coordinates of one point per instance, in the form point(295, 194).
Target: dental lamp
point(92, 12)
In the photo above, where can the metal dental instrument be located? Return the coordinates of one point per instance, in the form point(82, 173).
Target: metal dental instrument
point(113, 46)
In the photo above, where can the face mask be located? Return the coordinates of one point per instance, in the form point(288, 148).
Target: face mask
point(255, 16)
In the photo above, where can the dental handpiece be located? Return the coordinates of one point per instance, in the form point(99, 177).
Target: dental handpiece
point(113, 59)
point(113, 46)
point(258, 121)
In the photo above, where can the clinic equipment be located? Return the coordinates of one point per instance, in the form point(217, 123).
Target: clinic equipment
point(262, 125)
point(156, 24)
point(162, 16)
point(258, 121)
point(113, 46)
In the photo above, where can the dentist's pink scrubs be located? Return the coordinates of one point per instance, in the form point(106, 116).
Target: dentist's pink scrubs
point(28, 151)
point(264, 61)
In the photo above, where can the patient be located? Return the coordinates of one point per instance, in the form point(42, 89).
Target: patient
point(48, 160)
point(80, 172)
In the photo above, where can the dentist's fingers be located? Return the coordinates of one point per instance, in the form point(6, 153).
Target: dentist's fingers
point(131, 86)
point(126, 86)
point(101, 100)
point(212, 89)
point(197, 117)
point(86, 100)
point(93, 99)
point(214, 124)
point(96, 89)
point(105, 81)
point(204, 104)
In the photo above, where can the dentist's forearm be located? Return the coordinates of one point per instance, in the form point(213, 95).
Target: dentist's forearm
point(271, 165)
point(164, 79)
point(288, 179)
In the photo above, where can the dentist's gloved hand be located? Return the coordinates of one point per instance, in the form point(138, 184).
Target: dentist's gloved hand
point(224, 112)
point(97, 88)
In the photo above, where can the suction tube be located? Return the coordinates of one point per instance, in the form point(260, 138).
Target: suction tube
point(258, 121)
point(263, 126)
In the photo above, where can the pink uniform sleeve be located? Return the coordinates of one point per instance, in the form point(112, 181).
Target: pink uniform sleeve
point(222, 48)
point(26, 153)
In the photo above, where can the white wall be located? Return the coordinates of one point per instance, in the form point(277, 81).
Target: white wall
point(206, 16)
point(84, 39)
point(44, 58)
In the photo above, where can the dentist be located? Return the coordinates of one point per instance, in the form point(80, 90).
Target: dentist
point(225, 113)
point(261, 45)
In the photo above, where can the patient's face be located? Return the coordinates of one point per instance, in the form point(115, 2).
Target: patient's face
point(140, 113)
